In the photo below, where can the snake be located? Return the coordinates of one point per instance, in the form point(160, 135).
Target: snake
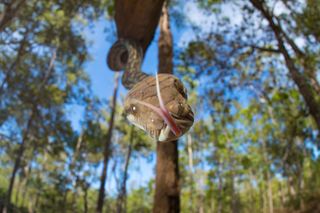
point(156, 104)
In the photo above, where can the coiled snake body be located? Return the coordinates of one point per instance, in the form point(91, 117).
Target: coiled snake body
point(164, 115)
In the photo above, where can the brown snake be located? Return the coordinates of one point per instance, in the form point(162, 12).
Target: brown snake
point(156, 105)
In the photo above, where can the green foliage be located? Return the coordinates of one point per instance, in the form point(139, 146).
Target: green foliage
point(254, 145)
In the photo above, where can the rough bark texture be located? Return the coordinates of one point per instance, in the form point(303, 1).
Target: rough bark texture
point(107, 146)
point(167, 192)
point(137, 19)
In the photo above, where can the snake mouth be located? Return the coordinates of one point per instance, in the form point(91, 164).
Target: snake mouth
point(165, 115)
point(163, 112)
point(164, 132)
point(169, 127)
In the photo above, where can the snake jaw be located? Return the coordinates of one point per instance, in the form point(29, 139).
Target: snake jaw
point(164, 134)
point(145, 108)
point(164, 113)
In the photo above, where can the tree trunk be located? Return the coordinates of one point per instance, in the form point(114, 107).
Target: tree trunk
point(270, 194)
point(25, 135)
point(220, 189)
point(17, 162)
point(122, 200)
point(254, 201)
point(72, 168)
point(137, 19)
point(24, 186)
point(167, 192)
point(267, 179)
point(10, 12)
point(85, 199)
point(301, 80)
point(191, 186)
point(107, 147)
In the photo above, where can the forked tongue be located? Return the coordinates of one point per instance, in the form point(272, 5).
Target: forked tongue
point(162, 111)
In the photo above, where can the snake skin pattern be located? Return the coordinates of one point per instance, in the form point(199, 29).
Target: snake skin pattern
point(127, 55)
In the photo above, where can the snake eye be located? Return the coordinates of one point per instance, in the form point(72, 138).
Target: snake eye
point(133, 109)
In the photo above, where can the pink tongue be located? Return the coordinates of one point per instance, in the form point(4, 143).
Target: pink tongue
point(162, 111)
point(165, 115)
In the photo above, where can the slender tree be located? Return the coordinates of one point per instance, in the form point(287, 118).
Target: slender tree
point(107, 146)
point(306, 83)
point(167, 191)
point(122, 196)
point(22, 145)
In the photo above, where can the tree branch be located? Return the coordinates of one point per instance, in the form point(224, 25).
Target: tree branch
point(265, 49)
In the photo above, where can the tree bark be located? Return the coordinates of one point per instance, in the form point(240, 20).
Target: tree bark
point(107, 147)
point(137, 19)
point(167, 192)
point(301, 80)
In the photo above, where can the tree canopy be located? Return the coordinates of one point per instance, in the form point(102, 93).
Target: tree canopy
point(252, 69)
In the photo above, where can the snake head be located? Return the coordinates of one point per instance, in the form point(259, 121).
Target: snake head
point(159, 107)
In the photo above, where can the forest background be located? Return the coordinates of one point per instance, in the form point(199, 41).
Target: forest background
point(253, 75)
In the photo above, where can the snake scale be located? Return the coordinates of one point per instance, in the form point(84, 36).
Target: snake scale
point(158, 105)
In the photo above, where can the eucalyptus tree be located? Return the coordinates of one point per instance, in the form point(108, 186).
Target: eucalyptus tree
point(244, 65)
point(132, 144)
point(263, 35)
point(42, 53)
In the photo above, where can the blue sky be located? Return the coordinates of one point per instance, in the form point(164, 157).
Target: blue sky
point(100, 37)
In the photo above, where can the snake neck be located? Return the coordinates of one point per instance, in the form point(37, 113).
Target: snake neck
point(131, 78)
point(127, 55)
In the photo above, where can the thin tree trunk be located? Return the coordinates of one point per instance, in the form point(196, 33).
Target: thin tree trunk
point(267, 178)
point(25, 135)
point(18, 187)
point(85, 198)
point(16, 62)
point(282, 195)
point(234, 196)
point(167, 192)
point(270, 194)
point(219, 198)
point(24, 187)
point(253, 200)
point(17, 163)
point(73, 173)
point(301, 80)
point(10, 12)
point(122, 197)
point(301, 176)
point(265, 199)
point(190, 156)
point(107, 147)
